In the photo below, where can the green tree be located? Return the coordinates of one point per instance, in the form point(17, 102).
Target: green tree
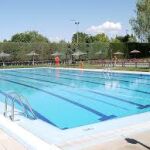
point(132, 38)
point(5, 40)
point(123, 38)
point(115, 40)
point(80, 36)
point(29, 37)
point(141, 23)
point(89, 39)
point(126, 38)
point(101, 38)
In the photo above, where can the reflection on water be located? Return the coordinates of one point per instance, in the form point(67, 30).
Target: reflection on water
point(112, 84)
point(57, 73)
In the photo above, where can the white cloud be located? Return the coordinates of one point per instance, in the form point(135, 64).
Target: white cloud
point(106, 27)
point(55, 39)
point(58, 39)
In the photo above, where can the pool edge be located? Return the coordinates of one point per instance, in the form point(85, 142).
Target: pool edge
point(79, 69)
point(23, 136)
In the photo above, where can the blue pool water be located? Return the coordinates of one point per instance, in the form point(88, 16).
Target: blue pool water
point(69, 98)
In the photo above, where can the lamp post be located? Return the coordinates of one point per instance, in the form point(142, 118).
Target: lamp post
point(77, 24)
point(87, 51)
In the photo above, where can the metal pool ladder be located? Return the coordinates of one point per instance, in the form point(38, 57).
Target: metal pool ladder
point(13, 98)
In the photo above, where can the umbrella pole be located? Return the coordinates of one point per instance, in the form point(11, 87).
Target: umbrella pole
point(33, 61)
point(3, 62)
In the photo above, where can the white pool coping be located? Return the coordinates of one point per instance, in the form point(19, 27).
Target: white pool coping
point(103, 70)
point(107, 129)
point(79, 69)
point(25, 136)
point(86, 135)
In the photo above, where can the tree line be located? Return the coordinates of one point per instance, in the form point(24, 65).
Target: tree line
point(141, 22)
point(22, 43)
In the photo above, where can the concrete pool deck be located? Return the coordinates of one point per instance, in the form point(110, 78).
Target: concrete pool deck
point(121, 144)
point(8, 143)
point(92, 137)
point(118, 143)
point(112, 140)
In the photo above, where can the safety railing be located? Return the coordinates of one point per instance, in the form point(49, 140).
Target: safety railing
point(102, 63)
point(13, 98)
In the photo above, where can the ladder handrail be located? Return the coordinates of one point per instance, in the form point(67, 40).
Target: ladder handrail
point(28, 105)
point(20, 98)
point(13, 106)
point(25, 104)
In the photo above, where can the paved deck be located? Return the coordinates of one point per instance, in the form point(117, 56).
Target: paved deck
point(8, 143)
point(112, 141)
point(122, 144)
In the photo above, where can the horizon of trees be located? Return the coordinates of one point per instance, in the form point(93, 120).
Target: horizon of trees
point(35, 37)
point(140, 25)
point(22, 43)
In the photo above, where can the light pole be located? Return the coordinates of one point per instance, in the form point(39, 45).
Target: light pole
point(127, 41)
point(77, 24)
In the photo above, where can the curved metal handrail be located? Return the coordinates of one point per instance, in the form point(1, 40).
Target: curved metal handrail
point(12, 108)
point(28, 105)
point(24, 103)
point(15, 97)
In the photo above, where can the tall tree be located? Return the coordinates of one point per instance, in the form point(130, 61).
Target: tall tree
point(29, 37)
point(101, 38)
point(115, 40)
point(141, 23)
point(126, 38)
point(79, 37)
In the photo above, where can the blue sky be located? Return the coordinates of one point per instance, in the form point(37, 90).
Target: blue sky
point(52, 17)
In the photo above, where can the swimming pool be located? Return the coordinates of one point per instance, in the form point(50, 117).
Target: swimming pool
point(69, 98)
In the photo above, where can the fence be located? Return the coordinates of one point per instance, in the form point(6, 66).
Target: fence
point(102, 63)
point(122, 63)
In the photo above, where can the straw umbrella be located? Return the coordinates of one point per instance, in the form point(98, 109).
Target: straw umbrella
point(56, 54)
point(135, 52)
point(78, 53)
point(118, 53)
point(3, 55)
point(99, 53)
point(33, 54)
